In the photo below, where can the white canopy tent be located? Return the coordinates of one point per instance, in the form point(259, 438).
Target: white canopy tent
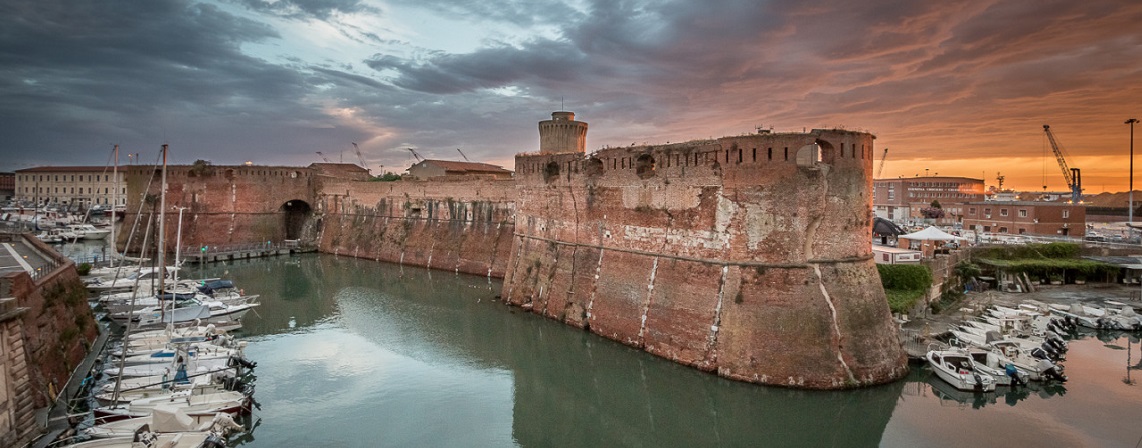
point(931, 234)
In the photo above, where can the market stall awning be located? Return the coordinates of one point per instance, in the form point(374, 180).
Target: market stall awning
point(931, 234)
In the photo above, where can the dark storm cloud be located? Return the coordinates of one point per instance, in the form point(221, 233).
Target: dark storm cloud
point(306, 9)
point(78, 75)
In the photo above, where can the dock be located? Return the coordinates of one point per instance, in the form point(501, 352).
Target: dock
point(211, 254)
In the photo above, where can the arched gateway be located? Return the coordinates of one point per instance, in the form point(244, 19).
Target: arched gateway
point(295, 212)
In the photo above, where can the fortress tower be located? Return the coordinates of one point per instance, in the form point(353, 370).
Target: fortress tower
point(562, 134)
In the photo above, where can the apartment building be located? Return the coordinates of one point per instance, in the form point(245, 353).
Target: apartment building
point(70, 186)
point(902, 199)
point(1026, 218)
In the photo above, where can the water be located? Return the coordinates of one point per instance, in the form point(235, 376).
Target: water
point(359, 353)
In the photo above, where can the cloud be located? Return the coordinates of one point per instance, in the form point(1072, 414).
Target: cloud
point(274, 81)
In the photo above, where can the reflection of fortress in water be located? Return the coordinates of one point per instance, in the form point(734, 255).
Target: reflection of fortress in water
point(570, 388)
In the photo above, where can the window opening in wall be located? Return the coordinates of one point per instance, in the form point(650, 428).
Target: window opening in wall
point(739, 155)
point(1002, 212)
point(1022, 213)
point(770, 155)
point(754, 154)
point(786, 153)
point(1066, 214)
point(727, 156)
point(644, 167)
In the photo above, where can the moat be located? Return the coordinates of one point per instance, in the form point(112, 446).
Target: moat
point(354, 352)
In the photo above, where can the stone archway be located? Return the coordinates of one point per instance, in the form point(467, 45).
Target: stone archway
point(296, 212)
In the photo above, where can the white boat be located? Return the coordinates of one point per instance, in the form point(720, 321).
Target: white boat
point(145, 277)
point(165, 419)
point(1100, 318)
point(88, 231)
point(57, 236)
point(1037, 368)
point(955, 367)
point(191, 404)
point(148, 439)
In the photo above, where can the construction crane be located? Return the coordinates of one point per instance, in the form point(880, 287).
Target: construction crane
point(880, 169)
point(1072, 175)
point(414, 154)
point(462, 155)
point(360, 157)
point(326, 159)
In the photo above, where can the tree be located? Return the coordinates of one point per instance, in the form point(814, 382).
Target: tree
point(936, 204)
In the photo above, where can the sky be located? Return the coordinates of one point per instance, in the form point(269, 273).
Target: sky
point(954, 88)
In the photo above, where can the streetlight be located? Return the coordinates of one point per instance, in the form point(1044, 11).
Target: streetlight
point(1130, 213)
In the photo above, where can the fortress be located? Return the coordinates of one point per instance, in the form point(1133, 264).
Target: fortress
point(747, 256)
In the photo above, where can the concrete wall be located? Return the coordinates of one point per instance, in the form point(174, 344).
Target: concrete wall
point(741, 255)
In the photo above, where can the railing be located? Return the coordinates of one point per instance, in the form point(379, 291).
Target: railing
point(191, 251)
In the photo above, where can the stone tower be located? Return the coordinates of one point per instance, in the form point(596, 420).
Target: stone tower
point(562, 134)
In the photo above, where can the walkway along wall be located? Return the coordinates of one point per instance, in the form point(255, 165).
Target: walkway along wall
point(46, 329)
point(748, 256)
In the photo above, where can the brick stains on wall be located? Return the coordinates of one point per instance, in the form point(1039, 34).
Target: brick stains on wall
point(748, 256)
point(224, 204)
point(58, 325)
point(461, 225)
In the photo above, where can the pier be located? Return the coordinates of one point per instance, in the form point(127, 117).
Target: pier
point(211, 254)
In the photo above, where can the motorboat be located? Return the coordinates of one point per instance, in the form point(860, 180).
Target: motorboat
point(165, 419)
point(88, 231)
point(956, 368)
point(192, 404)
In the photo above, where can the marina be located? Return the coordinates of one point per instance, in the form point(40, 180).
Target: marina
point(351, 350)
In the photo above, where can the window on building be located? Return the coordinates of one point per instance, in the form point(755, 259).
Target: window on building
point(1002, 230)
point(1002, 212)
point(1022, 231)
point(1066, 214)
point(987, 212)
point(891, 195)
point(971, 211)
point(1022, 213)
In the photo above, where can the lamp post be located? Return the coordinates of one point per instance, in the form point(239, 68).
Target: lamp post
point(1130, 212)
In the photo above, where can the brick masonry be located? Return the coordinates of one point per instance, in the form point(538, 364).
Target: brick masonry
point(746, 256)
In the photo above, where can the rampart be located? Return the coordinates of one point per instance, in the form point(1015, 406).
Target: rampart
point(461, 225)
point(748, 256)
point(221, 204)
point(46, 329)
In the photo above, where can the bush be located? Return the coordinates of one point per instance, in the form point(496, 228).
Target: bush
point(83, 268)
point(904, 284)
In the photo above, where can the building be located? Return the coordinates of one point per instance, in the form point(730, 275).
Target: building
point(7, 186)
point(902, 199)
point(70, 186)
point(429, 168)
point(1026, 218)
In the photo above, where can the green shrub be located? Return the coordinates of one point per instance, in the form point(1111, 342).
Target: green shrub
point(83, 268)
point(904, 284)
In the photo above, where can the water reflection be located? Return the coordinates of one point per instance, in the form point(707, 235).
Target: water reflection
point(391, 356)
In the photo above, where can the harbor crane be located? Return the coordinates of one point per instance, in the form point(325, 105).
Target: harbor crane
point(326, 159)
point(1072, 175)
point(463, 155)
point(360, 157)
point(414, 154)
point(880, 169)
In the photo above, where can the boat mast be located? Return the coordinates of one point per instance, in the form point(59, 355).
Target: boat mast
point(114, 202)
point(162, 219)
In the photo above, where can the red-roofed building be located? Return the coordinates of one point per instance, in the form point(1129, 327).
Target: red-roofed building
point(428, 168)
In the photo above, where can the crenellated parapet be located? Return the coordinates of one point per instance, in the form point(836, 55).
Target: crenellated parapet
point(748, 255)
